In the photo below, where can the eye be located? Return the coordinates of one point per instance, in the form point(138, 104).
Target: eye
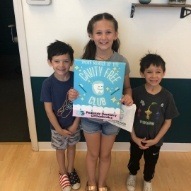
point(98, 33)
point(108, 32)
point(66, 61)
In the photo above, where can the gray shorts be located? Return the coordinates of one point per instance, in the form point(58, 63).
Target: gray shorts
point(62, 142)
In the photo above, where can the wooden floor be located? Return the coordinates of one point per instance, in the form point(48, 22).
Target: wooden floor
point(22, 169)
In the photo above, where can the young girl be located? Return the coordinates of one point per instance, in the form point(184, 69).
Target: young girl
point(100, 135)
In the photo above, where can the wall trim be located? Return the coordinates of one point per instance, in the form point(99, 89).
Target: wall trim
point(124, 146)
point(22, 43)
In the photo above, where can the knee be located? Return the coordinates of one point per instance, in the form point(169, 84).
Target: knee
point(93, 155)
point(105, 157)
point(71, 149)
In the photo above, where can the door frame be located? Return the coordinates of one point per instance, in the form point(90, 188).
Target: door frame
point(22, 43)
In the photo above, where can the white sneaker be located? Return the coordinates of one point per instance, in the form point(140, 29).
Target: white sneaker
point(147, 186)
point(131, 182)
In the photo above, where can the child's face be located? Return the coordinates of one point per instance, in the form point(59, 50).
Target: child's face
point(103, 34)
point(61, 65)
point(153, 75)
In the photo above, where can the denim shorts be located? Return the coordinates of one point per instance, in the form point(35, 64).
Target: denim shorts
point(98, 125)
point(62, 142)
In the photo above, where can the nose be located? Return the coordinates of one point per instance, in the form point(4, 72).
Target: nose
point(103, 36)
point(61, 63)
point(154, 74)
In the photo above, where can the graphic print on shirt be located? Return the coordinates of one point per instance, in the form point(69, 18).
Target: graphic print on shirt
point(66, 109)
point(148, 111)
point(148, 115)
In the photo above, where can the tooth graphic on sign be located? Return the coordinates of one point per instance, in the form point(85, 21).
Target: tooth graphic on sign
point(98, 88)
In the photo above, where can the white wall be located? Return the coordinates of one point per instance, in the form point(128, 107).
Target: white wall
point(158, 30)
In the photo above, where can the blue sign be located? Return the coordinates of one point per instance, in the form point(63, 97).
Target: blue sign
point(100, 86)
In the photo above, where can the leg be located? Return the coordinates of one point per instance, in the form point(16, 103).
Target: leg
point(151, 156)
point(133, 166)
point(107, 142)
point(135, 156)
point(63, 178)
point(72, 173)
point(71, 152)
point(60, 155)
point(60, 144)
point(93, 149)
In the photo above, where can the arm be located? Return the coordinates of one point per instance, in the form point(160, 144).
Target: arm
point(75, 125)
point(127, 91)
point(165, 127)
point(53, 120)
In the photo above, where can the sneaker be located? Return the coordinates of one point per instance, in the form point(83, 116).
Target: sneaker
point(64, 182)
point(74, 180)
point(131, 182)
point(147, 186)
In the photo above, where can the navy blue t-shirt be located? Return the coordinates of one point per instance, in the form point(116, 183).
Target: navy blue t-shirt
point(55, 91)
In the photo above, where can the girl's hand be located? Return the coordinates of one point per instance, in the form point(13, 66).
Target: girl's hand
point(127, 100)
point(72, 94)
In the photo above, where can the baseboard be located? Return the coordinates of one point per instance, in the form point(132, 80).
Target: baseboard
point(121, 146)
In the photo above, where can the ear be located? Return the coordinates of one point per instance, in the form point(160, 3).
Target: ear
point(116, 35)
point(142, 75)
point(90, 36)
point(164, 73)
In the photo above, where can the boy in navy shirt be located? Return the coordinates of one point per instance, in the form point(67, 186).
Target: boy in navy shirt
point(65, 132)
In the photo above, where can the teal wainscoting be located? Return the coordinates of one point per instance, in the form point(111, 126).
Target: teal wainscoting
point(180, 131)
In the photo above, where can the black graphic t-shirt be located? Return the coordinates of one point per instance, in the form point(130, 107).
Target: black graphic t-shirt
point(55, 91)
point(152, 111)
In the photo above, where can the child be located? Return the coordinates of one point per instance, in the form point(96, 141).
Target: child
point(65, 132)
point(99, 134)
point(155, 111)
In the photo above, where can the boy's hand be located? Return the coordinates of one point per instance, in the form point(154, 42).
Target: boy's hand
point(149, 143)
point(72, 94)
point(140, 143)
point(127, 100)
point(65, 132)
point(74, 127)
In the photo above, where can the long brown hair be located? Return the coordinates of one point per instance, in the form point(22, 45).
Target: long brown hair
point(90, 48)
